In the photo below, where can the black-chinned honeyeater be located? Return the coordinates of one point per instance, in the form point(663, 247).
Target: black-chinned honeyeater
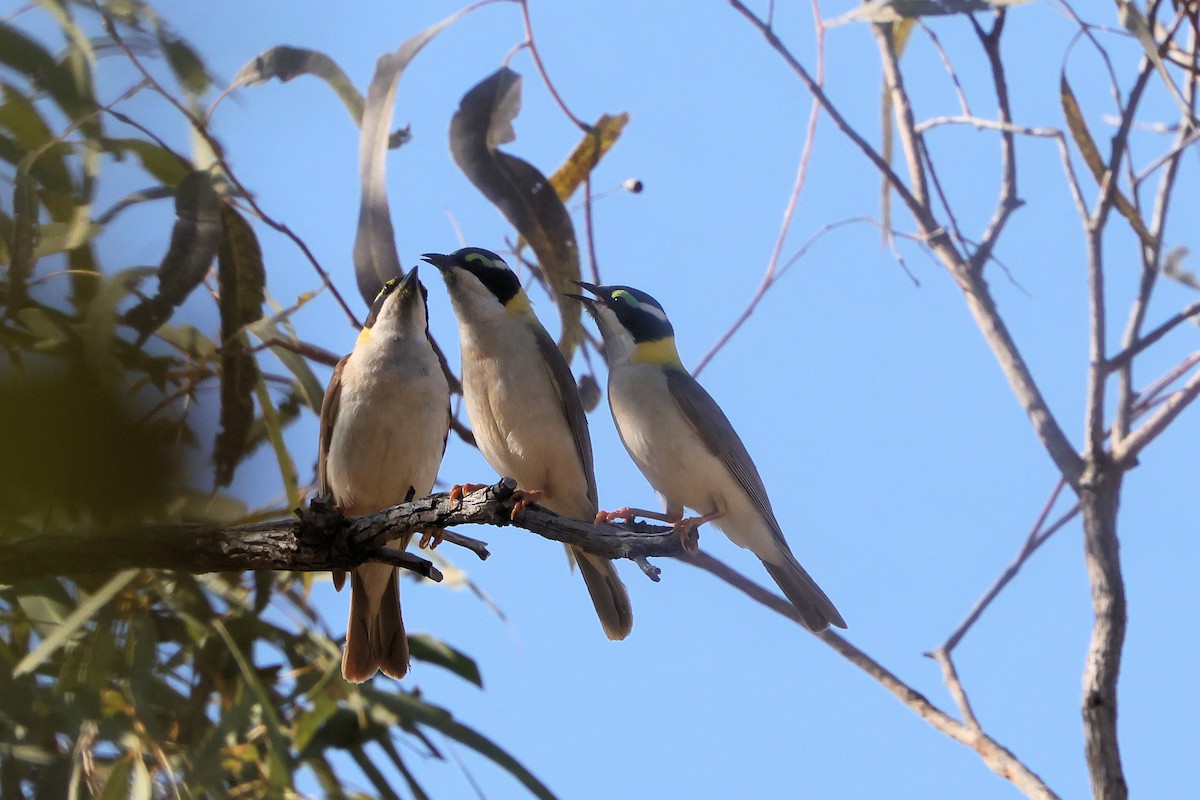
point(686, 447)
point(384, 423)
point(525, 409)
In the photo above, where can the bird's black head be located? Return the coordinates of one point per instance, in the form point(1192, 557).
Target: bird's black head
point(491, 270)
point(638, 312)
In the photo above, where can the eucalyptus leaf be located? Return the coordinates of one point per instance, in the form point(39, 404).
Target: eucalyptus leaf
point(375, 258)
point(522, 193)
point(416, 711)
point(881, 11)
point(587, 154)
point(1095, 163)
point(74, 621)
point(434, 651)
point(195, 239)
point(241, 277)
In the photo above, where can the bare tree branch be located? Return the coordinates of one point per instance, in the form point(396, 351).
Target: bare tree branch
point(997, 757)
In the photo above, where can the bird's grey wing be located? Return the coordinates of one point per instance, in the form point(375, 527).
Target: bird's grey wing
point(718, 435)
point(709, 421)
point(329, 410)
point(572, 406)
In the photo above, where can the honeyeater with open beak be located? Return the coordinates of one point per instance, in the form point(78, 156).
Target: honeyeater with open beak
point(525, 410)
point(684, 445)
point(384, 423)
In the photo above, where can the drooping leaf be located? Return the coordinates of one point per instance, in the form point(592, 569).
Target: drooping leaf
point(375, 258)
point(165, 165)
point(76, 620)
point(587, 154)
point(416, 711)
point(194, 242)
point(26, 56)
point(116, 786)
point(287, 348)
point(274, 426)
point(278, 767)
point(896, 10)
point(187, 66)
point(1095, 163)
point(98, 329)
point(434, 651)
point(24, 241)
point(241, 278)
point(523, 195)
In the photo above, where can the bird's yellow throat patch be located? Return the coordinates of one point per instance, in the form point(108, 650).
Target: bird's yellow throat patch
point(364, 336)
point(519, 304)
point(660, 351)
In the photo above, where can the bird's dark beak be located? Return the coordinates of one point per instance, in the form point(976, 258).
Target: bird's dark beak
point(591, 287)
point(410, 282)
point(442, 262)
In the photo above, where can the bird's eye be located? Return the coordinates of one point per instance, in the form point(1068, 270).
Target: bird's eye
point(483, 260)
point(388, 287)
point(626, 297)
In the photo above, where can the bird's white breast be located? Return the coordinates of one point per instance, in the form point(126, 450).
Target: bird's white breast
point(676, 461)
point(391, 425)
point(517, 415)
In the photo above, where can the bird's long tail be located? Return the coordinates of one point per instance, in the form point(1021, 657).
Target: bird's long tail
point(608, 593)
point(815, 609)
point(375, 638)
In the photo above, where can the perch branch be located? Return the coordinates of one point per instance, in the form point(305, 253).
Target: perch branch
point(319, 539)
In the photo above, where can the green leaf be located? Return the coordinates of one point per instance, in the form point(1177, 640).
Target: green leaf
point(1091, 157)
point(241, 277)
point(76, 620)
point(71, 92)
point(168, 167)
point(195, 239)
point(278, 768)
point(434, 651)
point(416, 711)
point(285, 63)
point(284, 346)
point(24, 242)
point(287, 467)
point(375, 258)
point(98, 330)
point(116, 787)
point(521, 193)
point(187, 66)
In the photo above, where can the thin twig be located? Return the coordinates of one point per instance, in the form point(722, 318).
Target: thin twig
point(1125, 451)
point(998, 758)
point(954, 684)
point(218, 152)
point(773, 272)
point(541, 68)
point(1033, 541)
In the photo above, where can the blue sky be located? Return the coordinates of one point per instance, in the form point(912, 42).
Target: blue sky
point(903, 471)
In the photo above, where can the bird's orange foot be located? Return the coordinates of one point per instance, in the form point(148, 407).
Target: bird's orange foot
point(625, 513)
point(522, 498)
point(459, 489)
point(629, 514)
point(686, 528)
point(431, 538)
